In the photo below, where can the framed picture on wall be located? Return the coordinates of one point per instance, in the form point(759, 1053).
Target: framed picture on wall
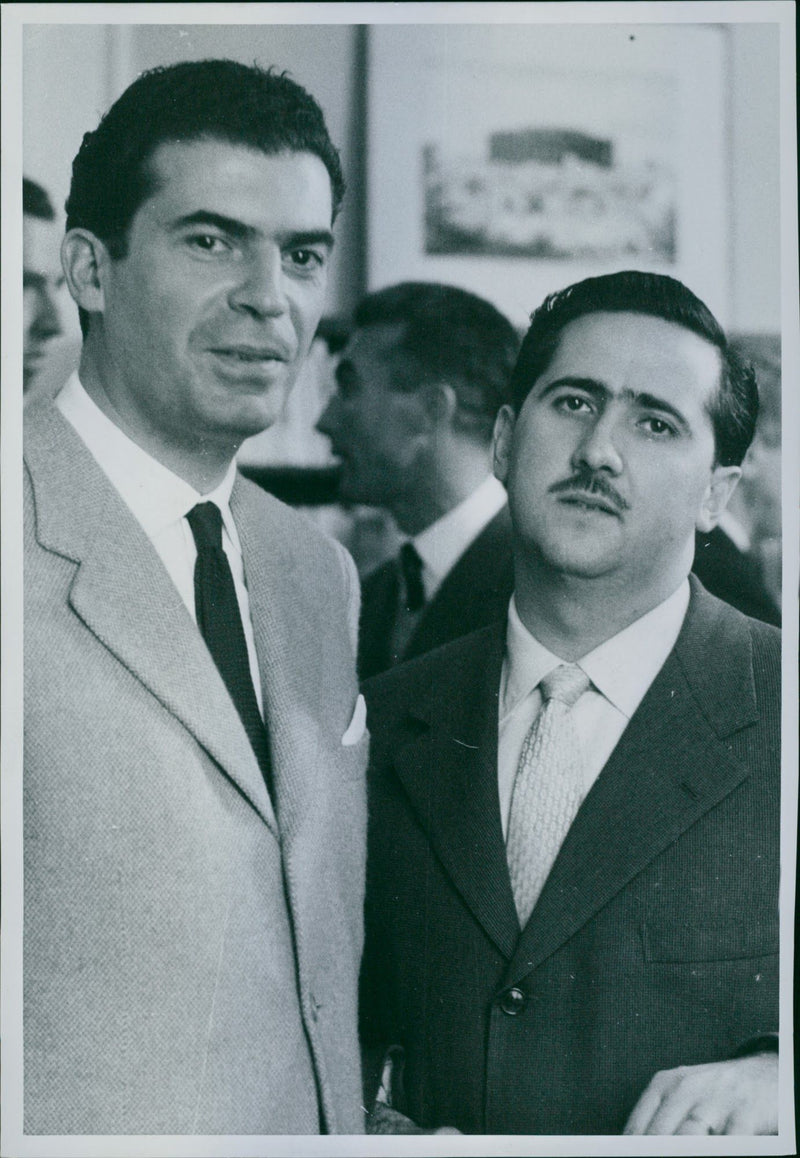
point(515, 159)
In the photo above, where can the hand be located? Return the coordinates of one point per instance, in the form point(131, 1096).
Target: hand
point(729, 1097)
point(383, 1118)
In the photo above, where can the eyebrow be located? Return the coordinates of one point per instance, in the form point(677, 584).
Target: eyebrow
point(599, 390)
point(242, 232)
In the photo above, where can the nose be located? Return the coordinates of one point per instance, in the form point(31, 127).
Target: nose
point(328, 421)
point(47, 321)
point(261, 289)
point(598, 448)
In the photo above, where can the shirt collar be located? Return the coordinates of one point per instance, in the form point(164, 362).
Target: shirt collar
point(621, 668)
point(442, 543)
point(156, 496)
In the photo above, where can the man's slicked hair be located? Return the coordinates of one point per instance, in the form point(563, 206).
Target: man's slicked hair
point(449, 335)
point(35, 201)
point(194, 100)
point(733, 409)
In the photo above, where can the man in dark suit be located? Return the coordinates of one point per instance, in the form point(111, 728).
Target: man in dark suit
point(419, 387)
point(195, 747)
point(573, 852)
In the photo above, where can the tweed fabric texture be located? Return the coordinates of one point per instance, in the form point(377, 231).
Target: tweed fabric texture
point(547, 788)
point(177, 943)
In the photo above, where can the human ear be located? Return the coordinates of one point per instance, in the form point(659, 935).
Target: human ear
point(84, 258)
point(717, 495)
point(439, 403)
point(503, 435)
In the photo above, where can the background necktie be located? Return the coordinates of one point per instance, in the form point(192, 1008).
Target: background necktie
point(411, 569)
point(220, 622)
point(547, 790)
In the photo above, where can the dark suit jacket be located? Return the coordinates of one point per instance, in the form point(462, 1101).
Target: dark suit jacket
point(474, 593)
point(654, 942)
point(733, 575)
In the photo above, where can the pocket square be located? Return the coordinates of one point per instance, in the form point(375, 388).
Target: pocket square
point(356, 727)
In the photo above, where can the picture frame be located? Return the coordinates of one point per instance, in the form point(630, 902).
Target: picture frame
point(535, 155)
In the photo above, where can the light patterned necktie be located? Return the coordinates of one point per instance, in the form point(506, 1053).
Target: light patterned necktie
point(548, 788)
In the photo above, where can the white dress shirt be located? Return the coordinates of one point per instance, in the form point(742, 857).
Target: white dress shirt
point(621, 671)
point(159, 500)
point(442, 544)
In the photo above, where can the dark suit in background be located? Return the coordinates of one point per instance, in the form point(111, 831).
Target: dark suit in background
point(734, 576)
point(654, 942)
point(473, 594)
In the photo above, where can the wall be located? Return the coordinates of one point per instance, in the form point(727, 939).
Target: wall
point(72, 72)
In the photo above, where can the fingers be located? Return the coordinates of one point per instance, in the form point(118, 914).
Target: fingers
point(667, 1105)
point(731, 1097)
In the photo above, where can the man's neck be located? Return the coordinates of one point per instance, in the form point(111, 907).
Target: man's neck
point(571, 615)
point(203, 466)
point(446, 483)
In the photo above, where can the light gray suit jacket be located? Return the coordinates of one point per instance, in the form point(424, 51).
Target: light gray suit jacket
point(190, 963)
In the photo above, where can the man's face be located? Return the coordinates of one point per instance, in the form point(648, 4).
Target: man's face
point(609, 465)
point(208, 317)
point(42, 282)
point(377, 430)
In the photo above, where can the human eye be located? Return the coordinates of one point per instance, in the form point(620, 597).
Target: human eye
point(207, 243)
point(656, 427)
point(306, 259)
point(572, 403)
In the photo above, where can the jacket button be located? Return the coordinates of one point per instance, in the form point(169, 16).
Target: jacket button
point(512, 1001)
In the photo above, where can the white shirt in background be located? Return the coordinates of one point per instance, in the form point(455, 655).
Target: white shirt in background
point(442, 544)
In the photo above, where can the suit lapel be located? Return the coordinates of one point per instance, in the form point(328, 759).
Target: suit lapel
point(448, 766)
point(669, 768)
point(125, 597)
point(378, 611)
point(288, 653)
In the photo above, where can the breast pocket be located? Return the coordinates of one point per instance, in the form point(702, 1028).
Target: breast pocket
point(722, 940)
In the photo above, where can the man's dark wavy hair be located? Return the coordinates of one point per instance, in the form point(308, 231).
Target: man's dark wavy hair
point(35, 201)
point(733, 408)
point(451, 335)
point(211, 99)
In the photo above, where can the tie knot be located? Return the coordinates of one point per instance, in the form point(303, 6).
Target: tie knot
point(565, 683)
point(205, 521)
point(411, 567)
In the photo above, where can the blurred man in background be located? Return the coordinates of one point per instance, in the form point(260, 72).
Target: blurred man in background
point(418, 388)
point(42, 277)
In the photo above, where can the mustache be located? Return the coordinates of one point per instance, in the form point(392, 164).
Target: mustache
point(589, 482)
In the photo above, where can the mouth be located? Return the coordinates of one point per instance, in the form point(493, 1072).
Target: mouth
point(251, 355)
point(585, 501)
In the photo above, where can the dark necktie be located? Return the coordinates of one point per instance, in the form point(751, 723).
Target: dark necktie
point(220, 623)
point(411, 569)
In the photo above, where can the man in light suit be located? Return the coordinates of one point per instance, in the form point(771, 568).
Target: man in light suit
point(419, 387)
point(573, 852)
point(194, 746)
